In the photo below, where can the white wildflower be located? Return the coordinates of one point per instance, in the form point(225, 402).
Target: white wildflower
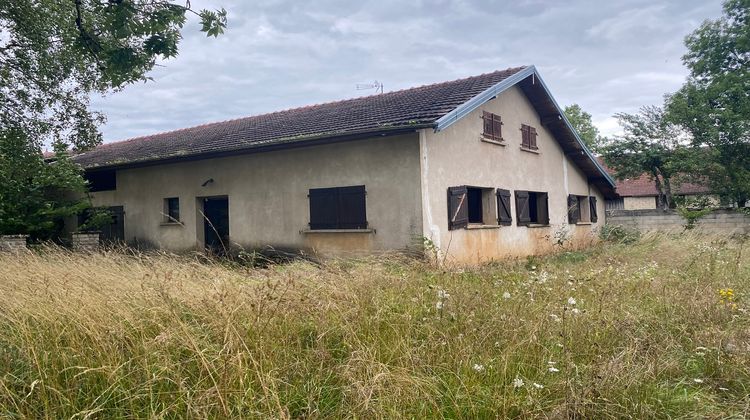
point(506, 295)
point(571, 301)
point(439, 305)
point(442, 294)
point(698, 381)
point(518, 382)
point(478, 368)
point(553, 369)
point(721, 388)
point(575, 311)
point(538, 386)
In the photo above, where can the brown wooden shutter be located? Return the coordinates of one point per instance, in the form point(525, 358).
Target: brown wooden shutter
point(458, 207)
point(574, 213)
point(504, 216)
point(532, 138)
point(324, 212)
point(525, 134)
point(522, 208)
point(487, 117)
point(497, 127)
point(542, 206)
point(592, 207)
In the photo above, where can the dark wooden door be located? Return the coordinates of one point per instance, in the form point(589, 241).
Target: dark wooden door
point(114, 232)
point(216, 224)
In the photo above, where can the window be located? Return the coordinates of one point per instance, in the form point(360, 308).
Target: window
point(531, 208)
point(172, 210)
point(528, 137)
point(338, 208)
point(581, 209)
point(472, 206)
point(492, 126)
point(101, 180)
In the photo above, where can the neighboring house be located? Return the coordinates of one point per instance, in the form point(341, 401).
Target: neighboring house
point(641, 193)
point(479, 168)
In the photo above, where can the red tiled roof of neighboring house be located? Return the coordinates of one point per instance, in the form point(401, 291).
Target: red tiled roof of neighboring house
point(644, 186)
point(415, 107)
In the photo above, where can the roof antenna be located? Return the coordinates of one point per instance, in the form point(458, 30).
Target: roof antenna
point(374, 85)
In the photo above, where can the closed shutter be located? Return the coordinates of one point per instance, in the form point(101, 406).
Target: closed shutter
point(525, 135)
point(522, 208)
point(504, 216)
point(352, 208)
point(574, 213)
point(324, 208)
point(592, 207)
point(542, 206)
point(532, 138)
point(487, 117)
point(458, 207)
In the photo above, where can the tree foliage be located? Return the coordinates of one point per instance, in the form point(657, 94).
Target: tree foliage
point(714, 104)
point(53, 55)
point(581, 121)
point(650, 145)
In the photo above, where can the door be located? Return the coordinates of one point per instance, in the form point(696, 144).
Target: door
point(216, 224)
point(114, 232)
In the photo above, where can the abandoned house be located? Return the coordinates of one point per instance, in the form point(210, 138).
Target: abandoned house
point(641, 193)
point(479, 168)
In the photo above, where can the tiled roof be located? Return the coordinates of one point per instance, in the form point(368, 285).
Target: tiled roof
point(416, 107)
point(643, 186)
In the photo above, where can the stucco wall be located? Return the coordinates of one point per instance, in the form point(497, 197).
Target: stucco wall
point(456, 156)
point(268, 204)
point(639, 203)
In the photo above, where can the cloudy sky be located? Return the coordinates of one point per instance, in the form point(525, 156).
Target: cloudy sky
point(607, 56)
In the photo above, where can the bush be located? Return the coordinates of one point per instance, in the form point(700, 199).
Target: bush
point(619, 234)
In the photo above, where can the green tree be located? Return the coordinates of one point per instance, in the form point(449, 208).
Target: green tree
point(581, 121)
point(650, 145)
point(714, 104)
point(53, 55)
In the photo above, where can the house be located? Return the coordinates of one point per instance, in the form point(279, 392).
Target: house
point(641, 193)
point(479, 168)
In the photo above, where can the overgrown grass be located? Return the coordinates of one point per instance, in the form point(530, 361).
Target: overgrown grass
point(622, 330)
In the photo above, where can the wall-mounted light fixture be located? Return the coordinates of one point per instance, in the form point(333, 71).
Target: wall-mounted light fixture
point(208, 181)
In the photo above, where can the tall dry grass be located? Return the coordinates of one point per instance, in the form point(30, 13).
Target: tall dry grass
point(112, 335)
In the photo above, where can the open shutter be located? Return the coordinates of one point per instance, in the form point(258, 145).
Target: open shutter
point(542, 207)
point(324, 208)
point(504, 216)
point(574, 214)
point(592, 207)
point(522, 208)
point(352, 208)
point(532, 138)
point(458, 207)
point(497, 127)
point(487, 117)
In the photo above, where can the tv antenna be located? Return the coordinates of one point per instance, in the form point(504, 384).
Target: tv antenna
point(374, 85)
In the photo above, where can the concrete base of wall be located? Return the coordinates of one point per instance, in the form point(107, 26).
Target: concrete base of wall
point(13, 243)
point(724, 222)
point(85, 241)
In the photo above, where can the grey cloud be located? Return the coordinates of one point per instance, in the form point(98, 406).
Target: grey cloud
point(607, 56)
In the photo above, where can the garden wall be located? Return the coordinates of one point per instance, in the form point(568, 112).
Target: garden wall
point(719, 221)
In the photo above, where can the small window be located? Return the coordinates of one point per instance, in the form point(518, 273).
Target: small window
point(338, 208)
point(579, 209)
point(532, 208)
point(471, 205)
point(172, 210)
point(528, 137)
point(101, 180)
point(493, 126)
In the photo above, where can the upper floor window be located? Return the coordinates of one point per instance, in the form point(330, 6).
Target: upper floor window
point(338, 208)
point(493, 126)
point(528, 137)
point(105, 180)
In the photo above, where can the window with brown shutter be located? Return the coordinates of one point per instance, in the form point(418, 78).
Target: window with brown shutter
point(574, 211)
point(492, 126)
point(528, 137)
point(592, 206)
point(532, 138)
point(503, 207)
point(532, 208)
point(458, 207)
point(338, 208)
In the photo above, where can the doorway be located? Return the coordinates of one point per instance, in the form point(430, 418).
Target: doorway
point(216, 224)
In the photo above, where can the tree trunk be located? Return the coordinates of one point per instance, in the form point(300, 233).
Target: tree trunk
point(659, 191)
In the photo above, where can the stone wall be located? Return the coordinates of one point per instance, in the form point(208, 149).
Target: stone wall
point(719, 221)
point(88, 241)
point(13, 243)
